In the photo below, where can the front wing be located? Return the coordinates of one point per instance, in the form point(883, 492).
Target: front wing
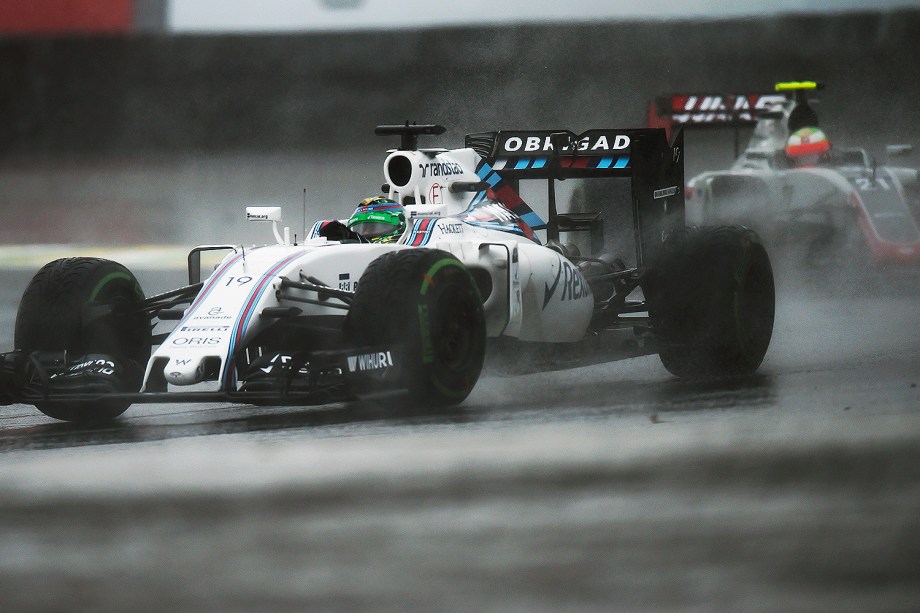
point(304, 378)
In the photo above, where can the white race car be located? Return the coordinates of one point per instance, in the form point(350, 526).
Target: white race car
point(817, 206)
point(338, 317)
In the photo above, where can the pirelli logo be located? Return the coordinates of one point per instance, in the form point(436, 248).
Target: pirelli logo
point(205, 328)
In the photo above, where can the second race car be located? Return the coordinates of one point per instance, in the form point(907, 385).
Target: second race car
point(820, 207)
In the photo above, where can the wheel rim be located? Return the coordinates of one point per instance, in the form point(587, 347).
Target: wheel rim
point(454, 334)
point(756, 309)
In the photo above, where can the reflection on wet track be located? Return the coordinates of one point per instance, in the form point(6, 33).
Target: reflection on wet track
point(609, 486)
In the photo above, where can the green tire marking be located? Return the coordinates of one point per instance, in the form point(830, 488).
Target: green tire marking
point(105, 281)
point(444, 389)
point(429, 276)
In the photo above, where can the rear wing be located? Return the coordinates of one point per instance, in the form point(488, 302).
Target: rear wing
point(725, 110)
point(654, 166)
point(711, 110)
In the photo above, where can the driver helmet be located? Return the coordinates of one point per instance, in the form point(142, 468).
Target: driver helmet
point(378, 219)
point(807, 147)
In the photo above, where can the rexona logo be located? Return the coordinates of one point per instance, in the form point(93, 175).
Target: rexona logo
point(574, 286)
point(370, 361)
point(592, 141)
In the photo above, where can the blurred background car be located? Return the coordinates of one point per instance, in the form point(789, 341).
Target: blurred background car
point(821, 206)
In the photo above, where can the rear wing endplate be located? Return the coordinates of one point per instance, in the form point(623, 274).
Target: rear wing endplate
point(654, 166)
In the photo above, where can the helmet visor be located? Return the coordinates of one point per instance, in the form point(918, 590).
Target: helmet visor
point(374, 229)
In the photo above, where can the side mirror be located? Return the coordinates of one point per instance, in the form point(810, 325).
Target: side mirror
point(263, 213)
point(455, 187)
point(272, 214)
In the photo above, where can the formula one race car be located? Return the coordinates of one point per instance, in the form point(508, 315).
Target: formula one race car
point(821, 207)
point(402, 303)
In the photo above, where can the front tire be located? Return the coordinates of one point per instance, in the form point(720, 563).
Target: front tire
point(711, 302)
point(86, 306)
point(426, 300)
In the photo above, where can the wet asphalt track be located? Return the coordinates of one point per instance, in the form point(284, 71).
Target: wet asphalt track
point(612, 487)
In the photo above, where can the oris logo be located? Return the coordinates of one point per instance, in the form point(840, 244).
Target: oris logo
point(195, 341)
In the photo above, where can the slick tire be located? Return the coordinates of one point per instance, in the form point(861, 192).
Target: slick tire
point(711, 302)
point(426, 300)
point(86, 306)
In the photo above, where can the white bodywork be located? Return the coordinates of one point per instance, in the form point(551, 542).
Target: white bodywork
point(771, 192)
point(535, 294)
point(762, 189)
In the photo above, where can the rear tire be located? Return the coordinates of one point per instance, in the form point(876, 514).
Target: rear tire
point(711, 302)
point(427, 300)
point(86, 306)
